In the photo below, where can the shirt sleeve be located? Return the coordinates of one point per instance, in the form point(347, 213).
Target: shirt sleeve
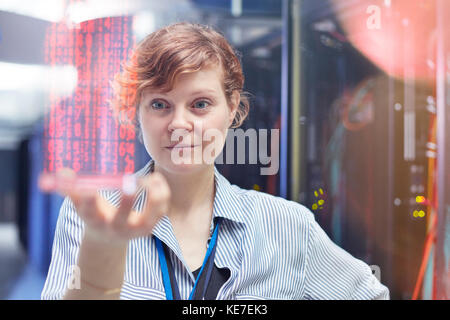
point(66, 244)
point(334, 274)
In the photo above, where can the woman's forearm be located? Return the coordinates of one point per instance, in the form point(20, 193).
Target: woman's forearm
point(102, 266)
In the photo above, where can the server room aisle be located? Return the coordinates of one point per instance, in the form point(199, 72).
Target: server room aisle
point(18, 279)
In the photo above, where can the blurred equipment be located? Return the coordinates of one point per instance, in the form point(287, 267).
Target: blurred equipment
point(399, 36)
point(368, 103)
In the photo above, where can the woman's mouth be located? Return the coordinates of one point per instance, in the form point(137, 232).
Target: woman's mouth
point(181, 147)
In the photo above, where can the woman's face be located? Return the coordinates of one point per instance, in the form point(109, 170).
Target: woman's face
point(185, 129)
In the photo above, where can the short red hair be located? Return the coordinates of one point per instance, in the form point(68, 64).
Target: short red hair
point(168, 52)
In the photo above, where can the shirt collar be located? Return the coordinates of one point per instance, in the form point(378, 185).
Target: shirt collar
point(227, 201)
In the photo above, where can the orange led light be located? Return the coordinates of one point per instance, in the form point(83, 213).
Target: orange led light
point(420, 199)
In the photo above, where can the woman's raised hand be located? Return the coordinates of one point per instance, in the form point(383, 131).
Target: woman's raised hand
point(112, 225)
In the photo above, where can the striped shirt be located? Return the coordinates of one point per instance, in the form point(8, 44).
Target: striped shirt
point(273, 248)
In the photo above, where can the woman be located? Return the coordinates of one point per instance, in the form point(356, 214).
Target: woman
point(187, 232)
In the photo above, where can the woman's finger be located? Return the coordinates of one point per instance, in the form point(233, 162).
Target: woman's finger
point(157, 196)
point(120, 218)
point(88, 207)
point(62, 181)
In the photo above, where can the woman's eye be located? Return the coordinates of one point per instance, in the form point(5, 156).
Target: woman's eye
point(201, 104)
point(157, 105)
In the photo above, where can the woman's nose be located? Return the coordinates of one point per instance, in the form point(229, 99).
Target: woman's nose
point(180, 120)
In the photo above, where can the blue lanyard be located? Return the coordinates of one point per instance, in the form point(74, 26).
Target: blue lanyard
point(165, 271)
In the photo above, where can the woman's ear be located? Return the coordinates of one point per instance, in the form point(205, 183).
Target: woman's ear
point(235, 101)
point(138, 127)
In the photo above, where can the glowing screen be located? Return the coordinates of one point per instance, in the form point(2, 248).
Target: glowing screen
point(80, 130)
